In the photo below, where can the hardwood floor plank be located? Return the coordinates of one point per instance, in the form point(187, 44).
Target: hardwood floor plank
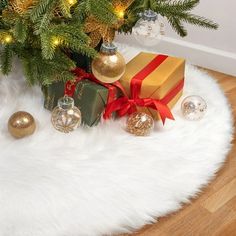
point(227, 230)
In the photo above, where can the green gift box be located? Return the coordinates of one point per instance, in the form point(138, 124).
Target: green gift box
point(91, 99)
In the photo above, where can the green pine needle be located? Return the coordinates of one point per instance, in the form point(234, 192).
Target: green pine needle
point(6, 58)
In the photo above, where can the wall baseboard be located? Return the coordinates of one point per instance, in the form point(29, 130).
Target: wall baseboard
point(196, 54)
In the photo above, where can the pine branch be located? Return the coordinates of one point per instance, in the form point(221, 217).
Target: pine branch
point(41, 7)
point(44, 72)
point(197, 20)
point(178, 6)
point(65, 8)
point(102, 10)
point(43, 23)
point(20, 31)
point(42, 15)
point(68, 36)
point(177, 26)
point(6, 57)
point(30, 70)
point(79, 13)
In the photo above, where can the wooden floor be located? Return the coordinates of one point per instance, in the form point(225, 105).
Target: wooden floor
point(214, 212)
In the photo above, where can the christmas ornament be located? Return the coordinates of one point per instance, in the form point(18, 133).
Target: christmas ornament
point(66, 117)
point(148, 30)
point(109, 65)
point(193, 108)
point(21, 124)
point(140, 124)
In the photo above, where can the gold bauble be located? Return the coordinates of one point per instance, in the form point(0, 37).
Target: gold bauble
point(21, 124)
point(140, 124)
point(108, 66)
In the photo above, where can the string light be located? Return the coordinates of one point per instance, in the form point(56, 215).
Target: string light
point(120, 14)
point(8, 38)
point(72, 2)
point(56, 41)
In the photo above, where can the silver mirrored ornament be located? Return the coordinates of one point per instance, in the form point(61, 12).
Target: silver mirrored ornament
point(194, 107)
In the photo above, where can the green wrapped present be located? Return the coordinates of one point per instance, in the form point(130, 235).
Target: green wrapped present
point(91, 99)
point(52, 93)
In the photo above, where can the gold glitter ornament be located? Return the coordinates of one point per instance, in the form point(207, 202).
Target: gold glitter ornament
point(139, 124)
point(109, 65)
point(21, 124)
point(66, 117)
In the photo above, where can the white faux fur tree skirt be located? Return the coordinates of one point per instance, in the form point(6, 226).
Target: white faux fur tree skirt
point(103, 180)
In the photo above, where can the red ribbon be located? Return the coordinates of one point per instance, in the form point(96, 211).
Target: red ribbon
point(128, 106)
point(81, 75)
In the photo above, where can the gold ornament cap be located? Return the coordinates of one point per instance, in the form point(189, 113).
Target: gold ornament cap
point(149, 15)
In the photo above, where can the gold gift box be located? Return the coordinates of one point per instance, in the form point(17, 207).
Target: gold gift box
point(158, 83)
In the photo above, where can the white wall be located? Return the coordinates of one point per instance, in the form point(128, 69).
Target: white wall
point(211, 49)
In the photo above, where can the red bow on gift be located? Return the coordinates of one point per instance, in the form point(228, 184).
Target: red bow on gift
point(125, 106)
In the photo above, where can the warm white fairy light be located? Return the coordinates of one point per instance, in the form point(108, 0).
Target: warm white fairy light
point(56, 41)
point(8, 39)
point(121, 14)
point(72, 2)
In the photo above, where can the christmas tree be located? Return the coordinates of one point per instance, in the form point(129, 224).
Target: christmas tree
point(42, 33)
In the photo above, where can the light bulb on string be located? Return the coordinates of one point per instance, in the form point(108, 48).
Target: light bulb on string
point(8, 39)
point(120, 14)
point(72, 2)
point(56, 41)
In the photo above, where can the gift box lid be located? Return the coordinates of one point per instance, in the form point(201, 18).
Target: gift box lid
point(160, 81)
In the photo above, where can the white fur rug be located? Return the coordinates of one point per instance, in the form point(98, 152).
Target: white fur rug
point(103, 180)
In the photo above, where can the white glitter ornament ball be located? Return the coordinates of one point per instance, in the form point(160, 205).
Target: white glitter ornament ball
point(148, 29)
point(194, 107)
